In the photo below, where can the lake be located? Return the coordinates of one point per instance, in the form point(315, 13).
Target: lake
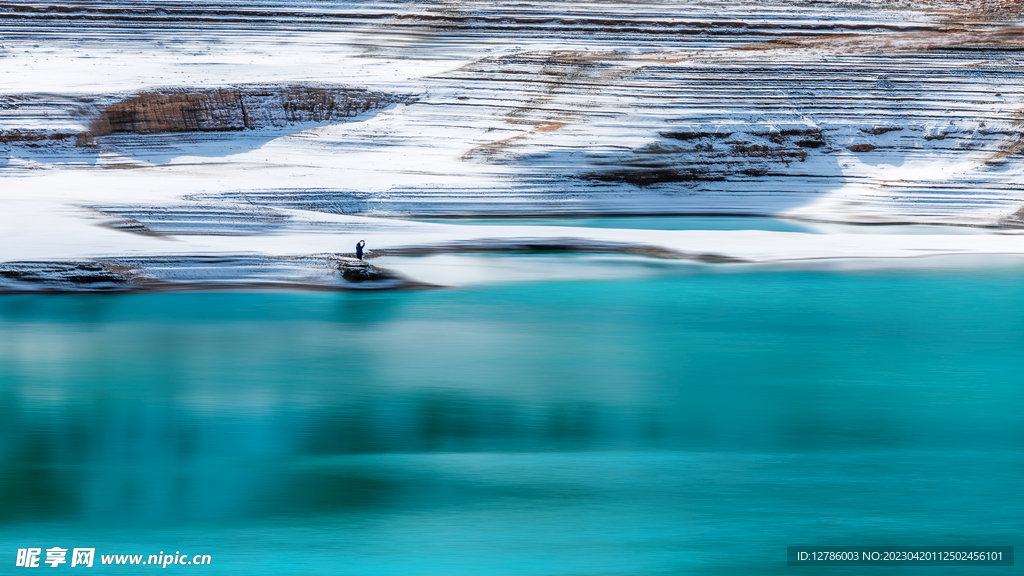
point(687, 423)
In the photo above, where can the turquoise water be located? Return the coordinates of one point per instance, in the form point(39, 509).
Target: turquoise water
point(690, 424)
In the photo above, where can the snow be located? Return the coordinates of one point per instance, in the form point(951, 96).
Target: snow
point(527, 108)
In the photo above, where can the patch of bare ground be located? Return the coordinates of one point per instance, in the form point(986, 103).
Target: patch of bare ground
point(643, 176)
point(1015, 220)
point(214, 110)
point(236, 108)
point(773, 152)
point(861, 148)
point(1013, 144)
point(949, 39)
point(879, 130)
point(711, 156)
point(960, 9)
point(977, 9)
point(43, 138)
point(546, 75)
point(92, 276)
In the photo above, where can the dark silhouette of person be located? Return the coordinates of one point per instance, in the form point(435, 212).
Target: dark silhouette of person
point(359, 249)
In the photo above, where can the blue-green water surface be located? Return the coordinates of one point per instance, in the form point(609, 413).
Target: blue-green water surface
point(691, 424)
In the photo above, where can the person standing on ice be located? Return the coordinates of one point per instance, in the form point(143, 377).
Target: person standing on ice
point(359, 249)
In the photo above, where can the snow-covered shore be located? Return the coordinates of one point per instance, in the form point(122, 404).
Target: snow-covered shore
point(318, 261)
point(875, 113)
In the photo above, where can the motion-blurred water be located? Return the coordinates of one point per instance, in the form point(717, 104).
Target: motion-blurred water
point(694, 423)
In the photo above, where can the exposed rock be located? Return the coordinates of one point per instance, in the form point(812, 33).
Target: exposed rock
point(30, 137)
point(879, 130)
point(235, 271)
point(861, 148)
point(61, 276)
point(640, 175)
point(236, 108)
point(355, 270)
